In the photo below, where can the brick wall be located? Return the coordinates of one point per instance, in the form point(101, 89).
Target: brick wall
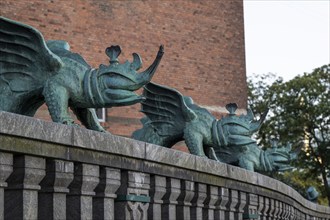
point(204, 43)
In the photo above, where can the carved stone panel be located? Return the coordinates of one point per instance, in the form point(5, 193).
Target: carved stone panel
point(133, 196)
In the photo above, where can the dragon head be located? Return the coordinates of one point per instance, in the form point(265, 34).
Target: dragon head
point(234, 130)
point(277, 158)
point(114, 85)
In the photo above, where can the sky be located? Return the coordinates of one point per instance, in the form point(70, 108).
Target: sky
point(286, 37)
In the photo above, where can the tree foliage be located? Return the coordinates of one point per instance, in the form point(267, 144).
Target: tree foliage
point(299, 115)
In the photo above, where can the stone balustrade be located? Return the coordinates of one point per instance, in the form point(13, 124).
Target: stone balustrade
point(53, 171)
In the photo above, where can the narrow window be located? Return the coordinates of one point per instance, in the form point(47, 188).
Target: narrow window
point(101, 114)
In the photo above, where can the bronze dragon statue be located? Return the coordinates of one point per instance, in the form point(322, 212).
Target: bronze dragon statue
point(172, 117)
point(33, 72)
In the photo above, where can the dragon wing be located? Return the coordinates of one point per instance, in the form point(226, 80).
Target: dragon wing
point(166, 109)
point(25, 60)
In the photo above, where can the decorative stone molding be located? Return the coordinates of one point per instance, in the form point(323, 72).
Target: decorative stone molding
point(170, 198)
point(198, 201)
point(133, 196)
point(21, 195)
point(140, 180)
point(54, 188)
point(221, 207)
point(6, 168)
point(80, 198)
point(157, 191)
point(103, 201)
point(184, 200)
point(211, 199)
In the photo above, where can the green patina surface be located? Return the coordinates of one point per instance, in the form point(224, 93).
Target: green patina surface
point(172, 117)
point(33, 71)
point(132, 198)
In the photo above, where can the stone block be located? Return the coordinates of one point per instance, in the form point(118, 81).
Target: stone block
point(103, 202)
point(173, 189)
point(196, 211)
point(24, 126)
point(79, 200)
point(6, 168)
point(157, 191)
point(21, 196)
point(210, 202)
point(133, 196)
point(108, 143)
point(170, 156)
point(184, 200)
point(213, 167)
point(54, 188)
point(237, 173)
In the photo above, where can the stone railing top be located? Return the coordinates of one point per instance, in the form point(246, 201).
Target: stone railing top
point(81, 139)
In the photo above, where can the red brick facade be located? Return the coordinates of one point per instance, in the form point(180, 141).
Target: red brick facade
point(204, 43)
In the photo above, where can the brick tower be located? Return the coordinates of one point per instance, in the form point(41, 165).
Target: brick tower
point(204, 44)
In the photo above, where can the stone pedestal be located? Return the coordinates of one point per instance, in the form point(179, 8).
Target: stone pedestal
point(184, 200)
point(103, 202)
point(157, 191)
point(221, 206)
point(170, 198)
point(54, 187)
point(210, 202)
point(196, 211)
point(80, 199)
point(6, 168)
point(133, 196)
point(21, 195)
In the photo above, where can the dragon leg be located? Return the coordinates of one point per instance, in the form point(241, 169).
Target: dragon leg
point(88, 117)
point(246, 163)
point(57, 98)
point(194, 143)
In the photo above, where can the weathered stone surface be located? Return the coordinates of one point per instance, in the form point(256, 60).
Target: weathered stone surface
point(21, 197)
point(221, 206)
point(237, 173)
point(211, 200)
point(168, 156)
point(198, 201)
point(79, 200)
point(133, 196)
point(206, 165)
point(173, 189)
point(251, 208)
point(201, 172)
point(241, 205)
point(267, 182)
point(103, 202)
point(184, 200)
point(54, 187)
point(108, 143)
point(157, 191)
point(232, 204)
point(26, 127)
point(6, 168)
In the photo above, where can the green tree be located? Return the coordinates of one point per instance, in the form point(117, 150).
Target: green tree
point(300, 115)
